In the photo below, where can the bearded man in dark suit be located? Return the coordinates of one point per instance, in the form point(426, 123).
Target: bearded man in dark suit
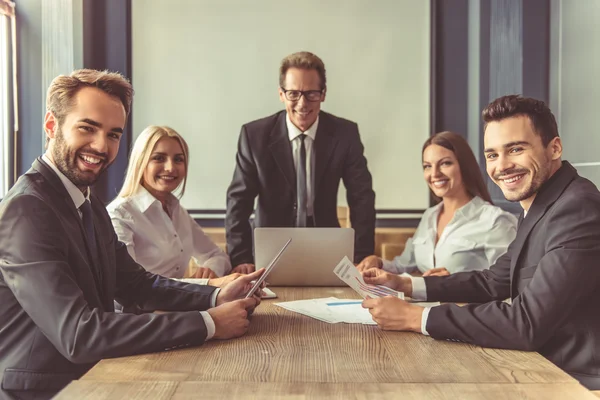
point(551, 271)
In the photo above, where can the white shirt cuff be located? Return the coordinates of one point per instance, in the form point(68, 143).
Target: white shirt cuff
point(208, 321)
point(424, 320)
point(210, 324)
point(419, 289)
point(389, 266)
point(195, 281)
point(213, 297)
point(217, 266)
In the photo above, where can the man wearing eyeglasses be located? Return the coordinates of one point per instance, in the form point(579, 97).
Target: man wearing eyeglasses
point(293, 162)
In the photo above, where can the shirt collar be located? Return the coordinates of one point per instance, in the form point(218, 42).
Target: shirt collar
point(294, 132)
point(467, 210)
point(76, 194)
point(143, 199)
point(472, 206)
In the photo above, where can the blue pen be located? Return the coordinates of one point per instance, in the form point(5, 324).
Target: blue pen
point(345, 303)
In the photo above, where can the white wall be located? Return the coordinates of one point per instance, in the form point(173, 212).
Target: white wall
point(206, 67)
point(574, 88)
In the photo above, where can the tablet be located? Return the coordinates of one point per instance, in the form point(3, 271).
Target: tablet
point(270, 268)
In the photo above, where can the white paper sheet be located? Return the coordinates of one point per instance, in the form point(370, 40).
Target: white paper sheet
point(348, 273)
point(331, 310)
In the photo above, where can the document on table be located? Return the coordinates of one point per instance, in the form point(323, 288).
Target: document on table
point(348, 273)
point(333, 310)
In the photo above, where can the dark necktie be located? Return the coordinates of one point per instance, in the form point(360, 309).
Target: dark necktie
point(88, 225)
point(301, 185)
point(521, 218)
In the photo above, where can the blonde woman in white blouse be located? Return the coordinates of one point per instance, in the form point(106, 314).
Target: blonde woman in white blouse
point(464, 231)
point(159, 233)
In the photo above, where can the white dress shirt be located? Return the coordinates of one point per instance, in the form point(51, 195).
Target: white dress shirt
point(483, 233)
point(164, 245)
point(475, 237)
point(78, 199)
point(311, 134)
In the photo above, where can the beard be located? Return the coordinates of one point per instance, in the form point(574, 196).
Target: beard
point(66, 161)
point(525, 193)
point(534, 186)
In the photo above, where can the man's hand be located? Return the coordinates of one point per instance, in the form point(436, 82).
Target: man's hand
point(204, 273)
point(379, 277)
point(370, 263)
point(244, 268)
point(238, 288)
point(224, 281)
point(393, 314)
point(231, 319)
point(436, 272)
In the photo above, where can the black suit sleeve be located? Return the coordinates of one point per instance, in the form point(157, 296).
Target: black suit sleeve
point(34, 266)
point(473, 286)
point(136, 286)
point(240, 202)
point(361, 197)
point(564, 278)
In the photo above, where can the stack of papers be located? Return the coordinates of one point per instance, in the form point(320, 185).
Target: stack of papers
point(348, 273)
point(331, 310)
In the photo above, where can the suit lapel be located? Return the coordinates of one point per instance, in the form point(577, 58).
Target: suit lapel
point(66, 205)
point(104, 268)
point(525, 227)
point(323, 148)
point(40, 166)
point(281, 148)
point(520, 220)
point(547, 195)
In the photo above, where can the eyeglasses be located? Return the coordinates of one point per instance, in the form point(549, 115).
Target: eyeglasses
point(310, 95)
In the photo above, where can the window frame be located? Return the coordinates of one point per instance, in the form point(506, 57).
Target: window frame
point(8, 94)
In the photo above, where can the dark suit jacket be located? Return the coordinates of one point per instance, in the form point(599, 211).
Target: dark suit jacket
point(56, 305)
point(552, 274)
point(265, 168)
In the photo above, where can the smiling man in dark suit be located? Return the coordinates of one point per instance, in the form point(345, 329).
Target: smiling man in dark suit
point(551, 272)
point(293, 161)
point(61, 264)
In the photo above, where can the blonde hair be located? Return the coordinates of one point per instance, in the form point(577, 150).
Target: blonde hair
point(140, 156)
point(303, 60)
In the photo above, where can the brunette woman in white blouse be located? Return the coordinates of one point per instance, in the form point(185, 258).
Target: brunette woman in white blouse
point(464, 231)
point(159, 233)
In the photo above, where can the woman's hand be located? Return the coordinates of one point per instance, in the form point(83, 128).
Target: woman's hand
point(436, 272)
point(371, 262)
point(222, 282)
point(204, 273)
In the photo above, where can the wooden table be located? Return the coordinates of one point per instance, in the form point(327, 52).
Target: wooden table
point(286, 354)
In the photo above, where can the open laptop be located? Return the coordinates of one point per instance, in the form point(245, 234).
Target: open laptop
point(310, 258)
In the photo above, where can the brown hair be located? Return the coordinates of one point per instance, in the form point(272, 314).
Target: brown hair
point(469, 168)
point(303, 60)
point(539, 114)
point(62, 90)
